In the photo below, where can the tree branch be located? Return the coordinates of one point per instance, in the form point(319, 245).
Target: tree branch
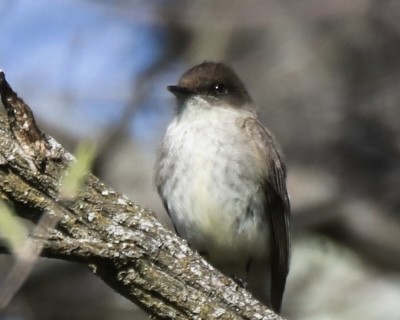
point(121, 242)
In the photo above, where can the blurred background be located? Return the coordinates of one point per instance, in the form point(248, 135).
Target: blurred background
point(326, 78)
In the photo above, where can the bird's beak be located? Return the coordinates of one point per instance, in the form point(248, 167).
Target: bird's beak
point(180, 92)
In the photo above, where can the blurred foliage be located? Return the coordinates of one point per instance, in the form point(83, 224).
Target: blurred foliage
point(77, 170)
point(12, 230)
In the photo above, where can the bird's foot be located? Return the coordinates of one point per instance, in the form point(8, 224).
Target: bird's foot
point(240, 282)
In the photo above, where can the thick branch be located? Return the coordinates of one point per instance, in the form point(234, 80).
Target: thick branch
point(122, 243)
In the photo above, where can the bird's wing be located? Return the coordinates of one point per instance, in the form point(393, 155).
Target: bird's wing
point(277, 206)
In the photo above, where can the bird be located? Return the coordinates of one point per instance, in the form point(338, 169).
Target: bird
point(221, 176)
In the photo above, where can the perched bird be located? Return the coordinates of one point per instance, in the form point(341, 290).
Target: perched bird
point(222, 179)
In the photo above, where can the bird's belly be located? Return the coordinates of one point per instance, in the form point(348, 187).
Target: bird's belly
point(217, 202)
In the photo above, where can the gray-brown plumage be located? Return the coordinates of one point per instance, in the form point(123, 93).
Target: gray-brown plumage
point(221, 177)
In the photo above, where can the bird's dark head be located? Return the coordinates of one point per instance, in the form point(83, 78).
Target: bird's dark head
point(214, 82)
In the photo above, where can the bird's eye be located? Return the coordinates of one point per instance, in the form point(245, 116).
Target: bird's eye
point(220, 88)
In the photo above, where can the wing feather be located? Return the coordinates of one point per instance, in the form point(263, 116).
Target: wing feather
point(277, 207)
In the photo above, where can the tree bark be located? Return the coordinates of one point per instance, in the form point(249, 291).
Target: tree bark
point(121, 242)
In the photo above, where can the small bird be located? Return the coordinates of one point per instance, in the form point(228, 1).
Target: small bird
point(222, 179)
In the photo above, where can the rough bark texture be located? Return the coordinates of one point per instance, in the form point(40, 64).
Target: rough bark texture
point(121, 242)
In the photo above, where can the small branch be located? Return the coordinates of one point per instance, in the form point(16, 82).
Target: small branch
point(21, 119)
point(121, 242)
